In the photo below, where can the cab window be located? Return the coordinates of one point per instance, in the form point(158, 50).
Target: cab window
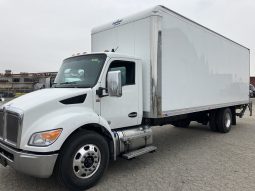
point(127, 70)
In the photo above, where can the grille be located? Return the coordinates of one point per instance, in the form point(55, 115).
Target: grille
point(10, 126)
point(1, 124)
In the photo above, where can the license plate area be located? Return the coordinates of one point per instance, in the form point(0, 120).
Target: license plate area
point(3, 161)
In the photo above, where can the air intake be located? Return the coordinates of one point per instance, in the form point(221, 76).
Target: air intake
point(74, 100)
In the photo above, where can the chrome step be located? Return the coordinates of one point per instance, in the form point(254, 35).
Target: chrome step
point(139, 152)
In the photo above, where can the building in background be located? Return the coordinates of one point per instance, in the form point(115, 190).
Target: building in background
point(12, 84)
point(252, 80)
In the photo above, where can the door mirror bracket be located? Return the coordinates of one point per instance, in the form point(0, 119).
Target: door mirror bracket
point(100, 92)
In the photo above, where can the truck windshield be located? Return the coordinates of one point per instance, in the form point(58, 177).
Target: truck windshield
point(80, 72)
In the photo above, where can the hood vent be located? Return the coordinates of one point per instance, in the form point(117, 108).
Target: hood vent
point(74, 100)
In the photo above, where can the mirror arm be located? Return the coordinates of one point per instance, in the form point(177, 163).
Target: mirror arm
point(99, 92)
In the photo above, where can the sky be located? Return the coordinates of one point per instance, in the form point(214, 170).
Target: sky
point(36, 35)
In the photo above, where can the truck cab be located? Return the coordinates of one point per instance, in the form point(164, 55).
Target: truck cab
point(96, 93)
point(92, 70)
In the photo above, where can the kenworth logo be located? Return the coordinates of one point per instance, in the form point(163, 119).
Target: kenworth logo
point(117, 22)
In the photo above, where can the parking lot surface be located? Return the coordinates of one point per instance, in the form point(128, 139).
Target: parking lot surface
point(186, 159)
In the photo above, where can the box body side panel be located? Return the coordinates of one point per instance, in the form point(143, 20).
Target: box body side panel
point(199, 68)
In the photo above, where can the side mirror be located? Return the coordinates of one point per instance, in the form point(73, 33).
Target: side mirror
point(114, 85)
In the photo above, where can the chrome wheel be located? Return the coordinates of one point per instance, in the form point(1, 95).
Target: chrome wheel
point(86, 161)
point(227, 120)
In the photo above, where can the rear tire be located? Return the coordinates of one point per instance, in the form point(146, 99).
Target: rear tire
point(224, 120)
point(82, 160)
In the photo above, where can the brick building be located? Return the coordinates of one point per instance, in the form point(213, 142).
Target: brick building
point(10, 83)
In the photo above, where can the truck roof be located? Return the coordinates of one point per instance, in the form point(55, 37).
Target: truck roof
point(117, 55)
point(150, 12)
point(109, 54)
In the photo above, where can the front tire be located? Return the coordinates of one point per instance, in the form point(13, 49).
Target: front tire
point(82, 160)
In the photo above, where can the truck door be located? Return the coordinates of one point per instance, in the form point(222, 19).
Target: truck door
point(122, 111)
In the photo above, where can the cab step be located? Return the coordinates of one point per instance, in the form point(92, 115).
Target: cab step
point(139, 152)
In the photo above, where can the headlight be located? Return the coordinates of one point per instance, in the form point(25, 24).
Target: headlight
point(45, 138)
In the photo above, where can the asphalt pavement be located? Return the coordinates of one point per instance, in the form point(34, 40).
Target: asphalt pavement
point(186, 159)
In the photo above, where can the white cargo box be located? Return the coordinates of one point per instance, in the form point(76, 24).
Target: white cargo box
point(187, 67)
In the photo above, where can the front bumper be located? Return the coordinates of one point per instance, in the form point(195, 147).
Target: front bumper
point(38, 165)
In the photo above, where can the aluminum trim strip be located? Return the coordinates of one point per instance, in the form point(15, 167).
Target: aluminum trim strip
point(195, 109)
point(202, 108)
point(156, 66)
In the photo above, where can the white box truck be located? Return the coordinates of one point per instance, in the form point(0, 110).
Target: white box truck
point(150, 69)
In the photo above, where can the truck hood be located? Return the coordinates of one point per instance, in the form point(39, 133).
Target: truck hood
point(45, 96)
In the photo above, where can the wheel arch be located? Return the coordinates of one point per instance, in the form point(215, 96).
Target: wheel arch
point(97, 128)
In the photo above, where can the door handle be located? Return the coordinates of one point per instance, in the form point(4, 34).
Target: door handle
point(132, 115)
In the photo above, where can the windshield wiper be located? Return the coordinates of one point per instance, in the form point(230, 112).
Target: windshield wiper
point(67, 83)
point(57, 85)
